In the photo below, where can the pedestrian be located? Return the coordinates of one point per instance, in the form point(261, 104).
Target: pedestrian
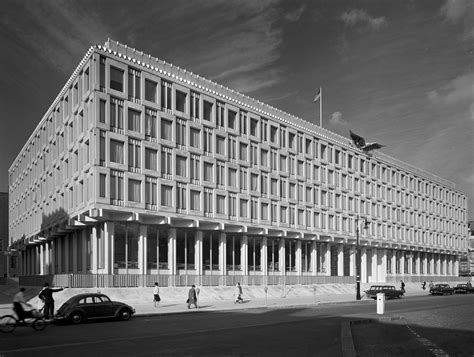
point(469, 285)
point(18, 302)
point(423, 286)
point(46, 295)
point(431, 284)
point(402, 286)
point(156, 294)
point(192, 297)
point(238, 293)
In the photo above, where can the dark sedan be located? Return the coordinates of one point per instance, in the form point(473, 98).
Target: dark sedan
point(441, 289)
point(92, 306)
point(389, 290)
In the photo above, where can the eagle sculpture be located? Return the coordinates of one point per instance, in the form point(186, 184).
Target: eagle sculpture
point(359, 142)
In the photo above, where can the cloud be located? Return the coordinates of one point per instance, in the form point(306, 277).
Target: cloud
point(295, 15)
point(460, 12)
point(458, 90)
point(356, 17)
point(336, 119)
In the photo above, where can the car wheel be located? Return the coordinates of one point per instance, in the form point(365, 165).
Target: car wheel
point(38, 324)
point(125, 314)
point(76, 318)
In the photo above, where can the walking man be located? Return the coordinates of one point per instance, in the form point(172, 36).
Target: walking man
point(156, 294)
point(192, 297)
point(238, 292)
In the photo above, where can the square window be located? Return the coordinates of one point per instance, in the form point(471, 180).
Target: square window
point(116, 78)
point(181, 101)
point(150, 90)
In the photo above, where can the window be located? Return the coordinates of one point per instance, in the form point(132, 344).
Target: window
point(232, 177)
point(220, 114)
point(181, 101)
point(232, 205)
point(150, 123)
point(181, 196)
point(166, 95)
point(134, 190)
point(166, 129)
point(180, 132)
point(253, 126)
point(253, 154)
point(133, 84)
point(263, 129)
point(207, 200)
point(243, 152)
point(254, 182)
point(116, 78)
point(134, 154)
point(102, 106)
point(181, 165)
point(166, 195)
point(231, 119)
point(282, 136)
point(264, 184)
point(264, 158)
point(166, 162)
point(208, 169)
point(133, 120)
point(283, 163)
point(102, 73)
point(116, 185)
point(151, 191)
point(264, 211)
point(220, 173)
point(102, 184)
point(207, 141)
point(195, 105)
point(291, 140)
point(150, 90)
point(254, 208)
point(116, 151)
point(273, 134)
point(208, 108)
point(116, 114)
point(243, 123)
point(194, 137)
point(220, 204)
point(283, 188)
point(243, 178)
point(283, 214)
point(243, 208)
point(220, 145)
point(274, 186)
point(195, 200)
point(195, 168)
point(151, 159)
point(232, 140)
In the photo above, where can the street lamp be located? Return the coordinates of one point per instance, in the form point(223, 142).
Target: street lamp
point(366, 224)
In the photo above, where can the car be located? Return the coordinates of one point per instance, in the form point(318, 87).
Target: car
point(460, 289)
point(441, 289)
point(91, 306)
point(389, 290)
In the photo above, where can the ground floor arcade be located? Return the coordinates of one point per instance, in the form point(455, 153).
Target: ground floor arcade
point(125, 248)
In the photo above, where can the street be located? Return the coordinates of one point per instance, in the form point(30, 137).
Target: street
point(305, 331)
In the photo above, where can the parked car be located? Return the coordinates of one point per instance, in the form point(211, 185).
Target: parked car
point(441, 289)
point(389, 290)
point(91, 306)
point(460, 289)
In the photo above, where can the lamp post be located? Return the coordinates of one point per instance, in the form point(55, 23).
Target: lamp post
point(358, 268)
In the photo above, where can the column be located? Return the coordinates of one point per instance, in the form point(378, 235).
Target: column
point(383, 266)
point(456, 266)
point(95, 251)
point(314, 258)
point(74, 252)
point(340, 260)
point(82, 240)
point(438, 264)
point(244, 258)
point(352, 261)
point(222, 253)
point(142, 249)
point(375, 270)
point(41, 259)
point(425, 264)
point(410, 263)
point(264, 256)
point(172, 251)
point(67, 245)
point(59, 248)
point(402, 263)
point(47, 261)
point(281, 256)
point(363, 265)
point(109, 229)
point(418, 264)
point(298, 257)
point(393, 262)
point(327, 259)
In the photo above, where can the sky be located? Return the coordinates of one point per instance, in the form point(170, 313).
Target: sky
point(396, 72)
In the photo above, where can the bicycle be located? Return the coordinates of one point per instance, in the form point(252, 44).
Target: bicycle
point(33, 318)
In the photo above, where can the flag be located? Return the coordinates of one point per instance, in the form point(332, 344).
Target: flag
point(318, 95)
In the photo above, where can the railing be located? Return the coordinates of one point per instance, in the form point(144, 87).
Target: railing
point(422, 278)
point(137, 280)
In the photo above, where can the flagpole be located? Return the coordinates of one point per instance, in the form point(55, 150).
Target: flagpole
point(320, 107)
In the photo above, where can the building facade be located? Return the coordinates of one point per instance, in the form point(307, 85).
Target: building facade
point(142, 171)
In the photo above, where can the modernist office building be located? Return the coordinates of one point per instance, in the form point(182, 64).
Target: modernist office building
point(142, 170)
